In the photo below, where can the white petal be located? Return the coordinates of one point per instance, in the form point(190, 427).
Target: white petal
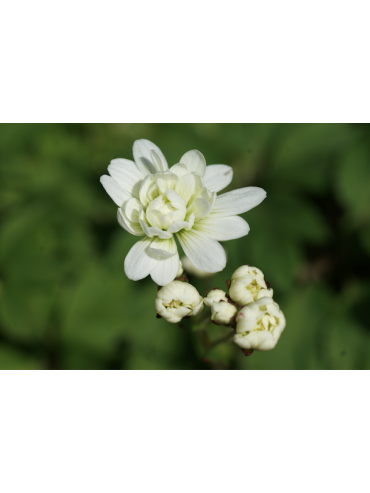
point(238, 201)
point(179, 170)
point(164, 235)
point(138, 264)
point(127, 175)
point(166, 269)
point(186, 187)
point(145, 187)
point(167, 181)
point(206, 254)
point(144, 157)
point(159, 164)
point(217, 177)
point(194, 161)
point(200, 208)
point(132, 227)
point(131, 209)
point(176, 226)
point(116, 193)
point(175, 198)
point(151, 231)
point(163, 248)
point(223, 228)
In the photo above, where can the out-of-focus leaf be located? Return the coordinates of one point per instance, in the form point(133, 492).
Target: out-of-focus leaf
point(11, 359)
point(304, 154)
point(353, 183)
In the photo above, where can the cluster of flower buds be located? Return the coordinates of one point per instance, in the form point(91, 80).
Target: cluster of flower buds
point(223, 309)
point(248, 308)
point(260, 321)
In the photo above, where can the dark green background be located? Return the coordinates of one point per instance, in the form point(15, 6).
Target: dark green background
point(65, 301)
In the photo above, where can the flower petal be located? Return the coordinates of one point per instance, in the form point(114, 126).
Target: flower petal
point(167, 181)
point(115, 191)
point(148, 189)
point(186, 186)
point(175, 198)
point(127, 175)
point(238, 201)
point(217, 177)
point(223, 228)
point(151, 231)
point(163, 248)
point(206, 254)
point(176, 226)
point(159, 163)
point(131, 209)
point(200, 208)
point(168, 261)
point(130, 226)
point(138, 264)
point(179, 170)
point(194, 161)
point(148, 162)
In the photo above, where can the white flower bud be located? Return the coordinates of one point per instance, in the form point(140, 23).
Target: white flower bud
point(223, 313)
point(248, 285)
point(178, 300)
point(259, 325)
point(181, 271)
point(215, 295)
point(194, 271)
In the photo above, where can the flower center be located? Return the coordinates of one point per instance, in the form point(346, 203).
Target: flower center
point(254, 288)
point(162, 212)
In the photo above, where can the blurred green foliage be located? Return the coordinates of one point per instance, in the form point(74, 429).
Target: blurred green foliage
point(65, 302)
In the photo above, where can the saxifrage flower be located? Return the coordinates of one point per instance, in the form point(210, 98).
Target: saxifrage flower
point(161, 204)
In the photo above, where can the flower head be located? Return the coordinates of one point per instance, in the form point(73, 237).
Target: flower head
point(160, 204)
point(248, 285)
point(259, 325)
point(223, 313)
point(178, 300)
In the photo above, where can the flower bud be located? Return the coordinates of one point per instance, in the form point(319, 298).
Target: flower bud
point(215, 295)
point(194, 271)
point(259, 325)
point(223, 313)
point(248, 285)
point(181, 271)
point(178, 300)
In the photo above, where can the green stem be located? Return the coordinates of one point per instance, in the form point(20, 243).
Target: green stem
point(224, 338)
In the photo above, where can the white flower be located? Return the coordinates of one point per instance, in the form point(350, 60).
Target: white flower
point(223, 313)
point(161, 204)
point(215, 295)
point(259, 325)
point(248, 285)
point(178, 300)
point(192, 270)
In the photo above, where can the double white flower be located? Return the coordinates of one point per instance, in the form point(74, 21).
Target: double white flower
point(161, 204)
